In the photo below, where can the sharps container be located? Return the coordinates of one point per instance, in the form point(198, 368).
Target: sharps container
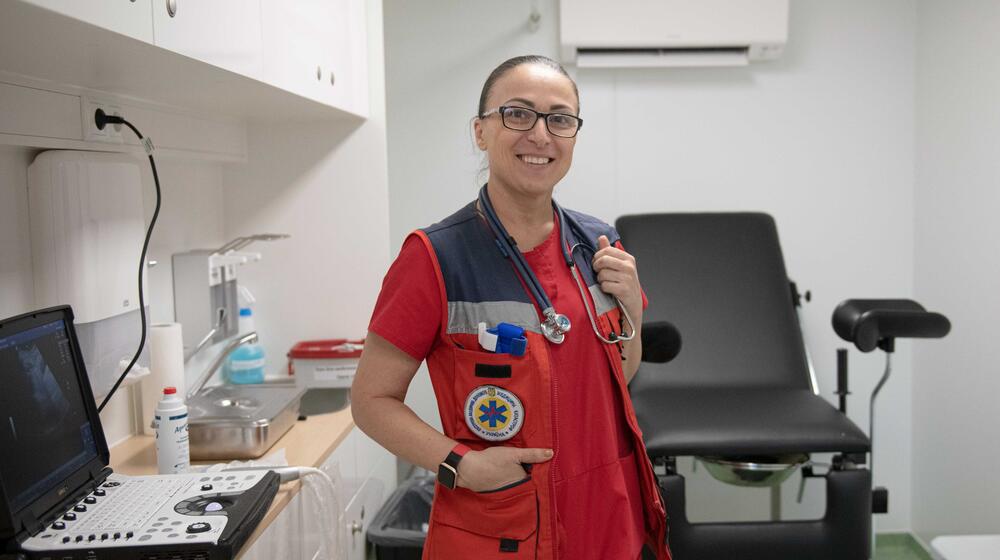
point(325, 363)
point(324, 369)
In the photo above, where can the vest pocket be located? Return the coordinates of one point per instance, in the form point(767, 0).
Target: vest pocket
point(496, 397)
point(497, 525)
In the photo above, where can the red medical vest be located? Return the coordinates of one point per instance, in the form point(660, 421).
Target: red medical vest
point(600, 479)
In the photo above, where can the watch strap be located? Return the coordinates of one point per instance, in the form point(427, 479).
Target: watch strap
point(448, 469)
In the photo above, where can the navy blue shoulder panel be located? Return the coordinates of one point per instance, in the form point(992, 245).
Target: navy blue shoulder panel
point(472, 265)
point(592, 228)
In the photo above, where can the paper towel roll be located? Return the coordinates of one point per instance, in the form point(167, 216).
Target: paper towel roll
point(166, 364)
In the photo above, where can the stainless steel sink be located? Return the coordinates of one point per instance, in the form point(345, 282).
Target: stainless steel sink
point(323, 401)
point(240, 421)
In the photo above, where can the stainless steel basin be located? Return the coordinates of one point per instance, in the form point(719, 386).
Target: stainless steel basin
point(755, 471)
point(240, 421)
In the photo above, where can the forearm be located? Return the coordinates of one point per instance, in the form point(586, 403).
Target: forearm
point(395, 426)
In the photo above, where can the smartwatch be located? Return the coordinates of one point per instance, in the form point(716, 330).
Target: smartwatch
point(448, 470)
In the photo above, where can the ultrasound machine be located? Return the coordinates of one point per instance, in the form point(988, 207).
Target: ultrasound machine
point(59, 499)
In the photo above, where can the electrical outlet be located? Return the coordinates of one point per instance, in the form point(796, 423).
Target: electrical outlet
point(111, 134)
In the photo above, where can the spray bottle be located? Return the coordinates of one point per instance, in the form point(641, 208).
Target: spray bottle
point(171, 422)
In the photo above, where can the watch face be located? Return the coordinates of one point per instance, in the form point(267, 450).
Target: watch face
point(447, 475)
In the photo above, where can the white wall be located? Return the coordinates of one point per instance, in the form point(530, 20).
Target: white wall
point(822, 140)
point(17, 291)
point(955, 381)
point(325, 184)
point(191, 217)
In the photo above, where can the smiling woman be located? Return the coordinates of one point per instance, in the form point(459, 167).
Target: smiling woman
point(541, 456)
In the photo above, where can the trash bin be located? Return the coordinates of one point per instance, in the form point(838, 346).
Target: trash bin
point(398, 530)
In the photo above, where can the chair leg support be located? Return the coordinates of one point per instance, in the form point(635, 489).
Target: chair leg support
point(842, 534)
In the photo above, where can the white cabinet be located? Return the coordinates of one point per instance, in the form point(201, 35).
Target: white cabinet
point(224, 33)
point(128, 17)
point(358, 516)
point(317, 49)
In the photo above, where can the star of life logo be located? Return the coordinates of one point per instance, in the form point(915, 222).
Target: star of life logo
point(494, 413)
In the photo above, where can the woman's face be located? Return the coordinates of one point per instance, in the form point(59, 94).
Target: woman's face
point(530, 161)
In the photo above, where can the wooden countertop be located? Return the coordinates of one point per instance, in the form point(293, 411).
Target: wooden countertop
point(307, 444)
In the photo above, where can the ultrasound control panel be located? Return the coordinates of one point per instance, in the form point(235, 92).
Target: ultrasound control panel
point(164, 510)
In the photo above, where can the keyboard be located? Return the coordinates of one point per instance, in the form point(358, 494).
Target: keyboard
point(148, 511)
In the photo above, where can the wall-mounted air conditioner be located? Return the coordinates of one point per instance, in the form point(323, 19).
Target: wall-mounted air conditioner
point(671, 33)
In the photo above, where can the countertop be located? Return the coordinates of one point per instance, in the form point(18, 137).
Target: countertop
point(307, 444)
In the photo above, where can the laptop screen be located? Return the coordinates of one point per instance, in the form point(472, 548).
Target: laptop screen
point(45, 433)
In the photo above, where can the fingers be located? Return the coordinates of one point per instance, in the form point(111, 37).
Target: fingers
point(534, 455)
point(611, 275)
point(609, 256)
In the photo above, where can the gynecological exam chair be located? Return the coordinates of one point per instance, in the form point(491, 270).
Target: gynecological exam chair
point(741, 396)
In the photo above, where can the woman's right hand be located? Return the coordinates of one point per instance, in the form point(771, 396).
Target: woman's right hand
point(496, 467)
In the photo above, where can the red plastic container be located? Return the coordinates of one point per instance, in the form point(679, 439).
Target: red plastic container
point(325, 363)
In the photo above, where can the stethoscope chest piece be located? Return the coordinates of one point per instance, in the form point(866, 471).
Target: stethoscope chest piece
point(555, 326)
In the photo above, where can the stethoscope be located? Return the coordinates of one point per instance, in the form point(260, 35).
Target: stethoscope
point(553, 325)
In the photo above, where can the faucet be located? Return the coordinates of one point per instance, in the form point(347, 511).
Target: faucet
point(204, 378)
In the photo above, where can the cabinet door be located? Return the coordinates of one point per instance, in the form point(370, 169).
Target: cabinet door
point(225, 33)
point(128, 17)
point(358, 516)
point(314, 48)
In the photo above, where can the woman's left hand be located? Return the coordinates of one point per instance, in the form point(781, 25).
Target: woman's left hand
point(617, 275)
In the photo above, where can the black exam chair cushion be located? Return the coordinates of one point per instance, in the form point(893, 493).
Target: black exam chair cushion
point(741, 383)
point(682, 422)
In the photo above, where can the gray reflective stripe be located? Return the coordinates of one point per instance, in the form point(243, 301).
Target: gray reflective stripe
point(464, 316)
point(602, 301)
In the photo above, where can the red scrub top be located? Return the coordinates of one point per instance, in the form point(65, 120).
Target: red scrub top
point(597, 491)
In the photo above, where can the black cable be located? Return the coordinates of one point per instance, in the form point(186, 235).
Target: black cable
point(102, 119)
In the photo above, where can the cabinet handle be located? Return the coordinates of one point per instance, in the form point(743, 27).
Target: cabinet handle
point(355, 527)
point(319, 73)
point(172, 8)
point(332, 79)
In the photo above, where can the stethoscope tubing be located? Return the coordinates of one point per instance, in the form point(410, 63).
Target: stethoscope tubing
point(512, 252)
point(534, 286)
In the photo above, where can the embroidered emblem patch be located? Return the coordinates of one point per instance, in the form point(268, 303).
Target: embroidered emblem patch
point(493, 413)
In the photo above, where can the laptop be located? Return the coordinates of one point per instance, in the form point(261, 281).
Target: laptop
point(59, 499)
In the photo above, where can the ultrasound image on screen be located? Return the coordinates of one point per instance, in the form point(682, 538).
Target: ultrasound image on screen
point(45, 435)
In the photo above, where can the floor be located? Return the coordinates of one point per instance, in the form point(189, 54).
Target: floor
point(899, 546)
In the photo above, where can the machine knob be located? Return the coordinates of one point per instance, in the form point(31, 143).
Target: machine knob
point(66, 539)
point(213, 506)
point(206, 487)
point(99, 493)
point(78, 538)
point(199, 527)
point(90, 500)
point(91, 537)
point(58, 526)
point(69, 516)
point(79, 508)
point(104, 536)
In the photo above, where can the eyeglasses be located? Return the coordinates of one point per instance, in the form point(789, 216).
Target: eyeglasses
point(522, 118)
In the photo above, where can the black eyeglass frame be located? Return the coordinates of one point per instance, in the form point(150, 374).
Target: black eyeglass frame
point(538, 114)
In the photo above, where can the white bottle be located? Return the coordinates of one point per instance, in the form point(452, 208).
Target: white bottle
point(171, 421)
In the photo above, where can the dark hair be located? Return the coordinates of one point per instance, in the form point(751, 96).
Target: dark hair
point(512, 63)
